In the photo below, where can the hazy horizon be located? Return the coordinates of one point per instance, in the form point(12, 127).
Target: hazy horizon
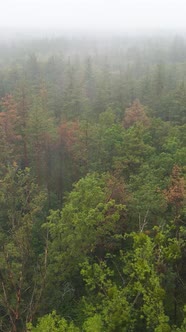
point(92, 16)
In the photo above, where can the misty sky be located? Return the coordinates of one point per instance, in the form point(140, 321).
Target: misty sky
point(93, 14)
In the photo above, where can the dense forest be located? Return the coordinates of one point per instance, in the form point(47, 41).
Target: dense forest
point(92, 184)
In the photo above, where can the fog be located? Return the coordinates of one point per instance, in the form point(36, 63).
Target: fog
point(92, 15)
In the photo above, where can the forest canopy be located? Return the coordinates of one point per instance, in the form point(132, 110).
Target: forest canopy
point(92, 184)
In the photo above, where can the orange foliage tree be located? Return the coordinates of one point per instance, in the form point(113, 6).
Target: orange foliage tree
point(135, 114)
point(175, 193)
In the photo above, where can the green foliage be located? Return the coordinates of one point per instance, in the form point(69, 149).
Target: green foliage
point(183, 326)
point(137, 302)
point(86, 223)
point(107, 303)
point(22, 270)
point(93, 324)
point(54, 323)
